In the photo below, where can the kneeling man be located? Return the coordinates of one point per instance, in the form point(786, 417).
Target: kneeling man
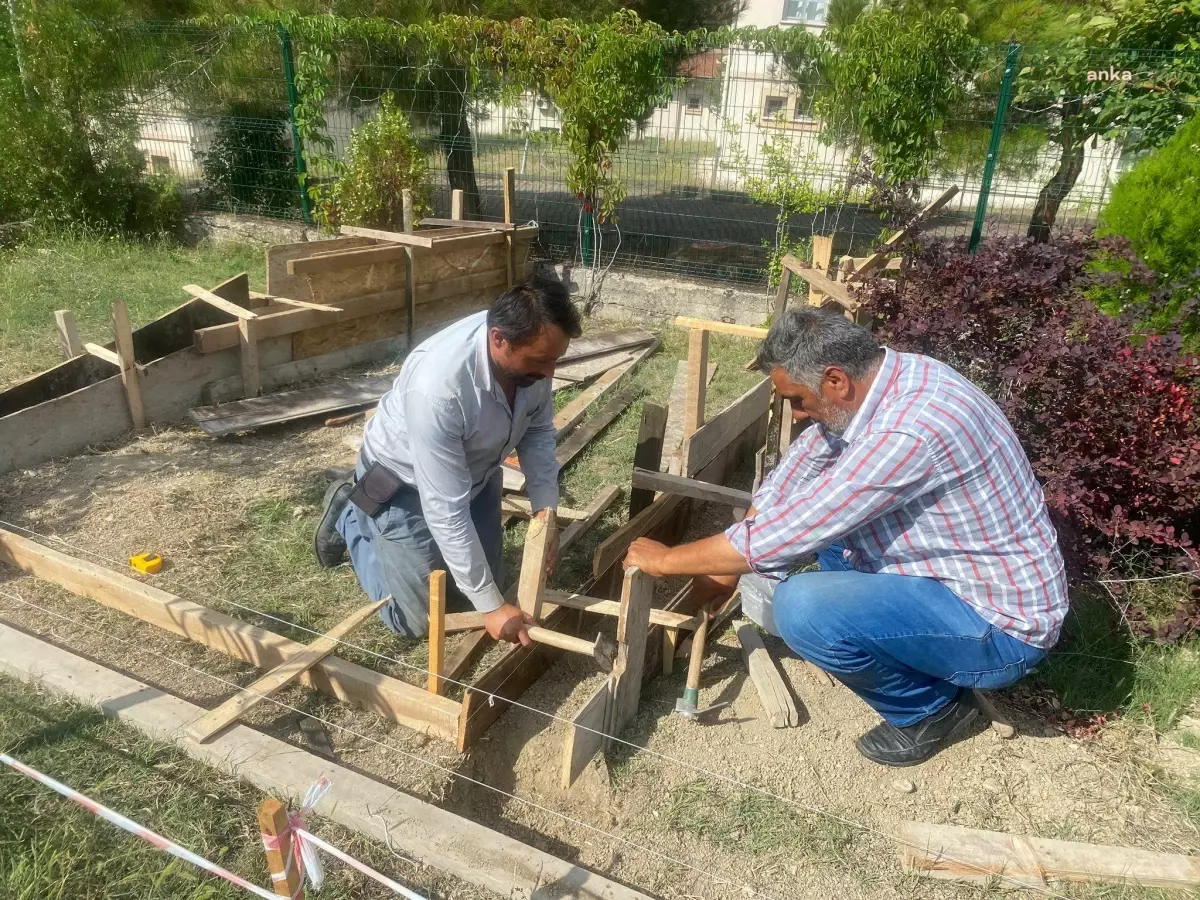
point(428, 484)
point(939, 567)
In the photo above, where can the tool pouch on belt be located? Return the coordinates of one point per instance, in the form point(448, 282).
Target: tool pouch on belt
point(376, 487)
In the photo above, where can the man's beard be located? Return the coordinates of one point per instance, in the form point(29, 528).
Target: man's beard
point(520, 379)
point(834, 419)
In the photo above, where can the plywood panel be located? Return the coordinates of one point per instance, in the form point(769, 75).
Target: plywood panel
point(341, 335)
point(65, 425)
point(281, 284)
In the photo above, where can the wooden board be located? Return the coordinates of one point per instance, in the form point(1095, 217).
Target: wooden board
point(750, 331)
point(282, 284)
point(603, 343)
point(123, 333)
point(772, 691)
point(822, 256)
point(726, 426)
point(538, 538)
point(651, 480)
point(633, 628)
point(395, 700)
point(219, 302)
point(585, 734)
point(593, 366)
point(694, 397)
point(672, 460)
point(256, 412)
point(969, 854)
point(613, 608)
point(249, 697)
point(578, 439)
point(648, 452)
point(611, 551)
point(824, 285)
point(572, 414)
point(68, 334)
point(876, 260)
point(437, 631)
point(341, 335)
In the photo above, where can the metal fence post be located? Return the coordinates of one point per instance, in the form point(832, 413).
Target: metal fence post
point(289, 75)
point(989, 167)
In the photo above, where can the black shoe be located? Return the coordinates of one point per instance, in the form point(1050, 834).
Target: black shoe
point(891, 746)
point(328, 543)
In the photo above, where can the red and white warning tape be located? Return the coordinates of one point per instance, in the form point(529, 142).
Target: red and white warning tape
point(115, 818)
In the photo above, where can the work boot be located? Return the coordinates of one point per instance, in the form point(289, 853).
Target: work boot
point(328, 543)
point(891, 746)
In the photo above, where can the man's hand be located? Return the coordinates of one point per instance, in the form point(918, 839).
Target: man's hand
point(508, 623)
point(552, 546)
point(648, 556)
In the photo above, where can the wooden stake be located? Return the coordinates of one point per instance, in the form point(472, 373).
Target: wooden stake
point(533, 563)
point(697, 383)
point(456, 204)
point(633, 629)
point(248, 342)
point(648, 454)
point(410, 274)
point(68, 334)
point(123, 334)
point(822, 253)
point(437, 631)
point(277, 840)
point(510, 181)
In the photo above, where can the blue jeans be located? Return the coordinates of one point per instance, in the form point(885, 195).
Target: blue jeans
point(904, 644)
point(393, 553)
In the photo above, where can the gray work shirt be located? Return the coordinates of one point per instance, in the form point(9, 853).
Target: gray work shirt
point(445, 427)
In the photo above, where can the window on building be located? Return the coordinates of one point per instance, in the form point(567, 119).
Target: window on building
point(774, 106)
point(804, 11)
point(801, 111)
point(160, 165)
point(694, 104)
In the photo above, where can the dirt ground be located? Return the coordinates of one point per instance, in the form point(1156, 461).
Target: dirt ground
point(721, 808)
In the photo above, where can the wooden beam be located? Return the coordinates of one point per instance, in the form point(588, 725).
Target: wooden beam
point(102, 353)
point(532, 582)
point(834, 289)
point(480, 224)
point(248, 345)
point(241, 703)
point(604, 498)
point(648, 453)
point(772, 690)
point(571, 414)
point(335, 260)
point(391, 698)
point(456, 205)
point(510, 190)
point(822, 254)
point(68, 334)
point(437, 631)
point(706, 444)
point(970, 854)
point(651, 480)
point(614, 546)
point(749, 331)
point(604, 344)
point(584, 434)
point(219, 302)
point(123, 337)
point(520, 506)
point(697, 384)
point(304, 304)
point(404, 238)
point(673, 438)
point(877, 259)
point(633, 628)
point(274, 823)
point(466, 621)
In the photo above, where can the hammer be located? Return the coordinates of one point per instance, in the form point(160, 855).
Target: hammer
point(602, 649)
point(688, 705)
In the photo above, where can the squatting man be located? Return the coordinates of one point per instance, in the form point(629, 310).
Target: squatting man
point(939, 570)
point(427, 489)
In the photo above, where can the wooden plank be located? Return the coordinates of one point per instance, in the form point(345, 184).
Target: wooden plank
point(697, 385)
point(256, 412)
point(393, 699)
point(970, 854)
point(123, 336)
point(219, 302)
point(772, 691)
point(338, 260)
point(578, 439)
point(648, 453)
point(613, 608)
point(585, 734)
point(603, 343)
point(587, 369)
point(571, 414)
point(749, 331)
point(876, 259)
point(103, 353)
point(673, 439)
point(278, 678)
point(248, 341)
point(520, 506)
point(437, 631)
point(707, 443)
point(456, 205)
point(68, 334)
point(304, 304)
point(403, 238)
point(532, 582)
point(651, 480)
point(834, 289)
point(614, 546)
point(633, 629)
point(471, 223)
point(510, 191)
point(604, 498)
point(822, 254)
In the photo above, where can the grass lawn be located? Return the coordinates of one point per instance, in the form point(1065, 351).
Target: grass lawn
point(86, 274)
point(52, 849)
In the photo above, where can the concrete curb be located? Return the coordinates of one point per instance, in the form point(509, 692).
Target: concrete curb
point(425, 832)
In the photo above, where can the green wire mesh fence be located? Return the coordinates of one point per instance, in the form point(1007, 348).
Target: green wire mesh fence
point(733, 162)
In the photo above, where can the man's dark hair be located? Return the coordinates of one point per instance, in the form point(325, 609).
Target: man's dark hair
point(528, 306)
point(805, 341)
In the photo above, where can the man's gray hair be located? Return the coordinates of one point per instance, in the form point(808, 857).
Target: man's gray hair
point(804, 342)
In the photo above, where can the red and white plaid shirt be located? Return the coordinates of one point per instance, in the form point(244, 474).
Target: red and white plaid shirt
point(928, 480)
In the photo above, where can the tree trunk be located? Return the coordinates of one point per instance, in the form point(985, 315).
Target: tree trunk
point(1073, 141)
point(455, 139)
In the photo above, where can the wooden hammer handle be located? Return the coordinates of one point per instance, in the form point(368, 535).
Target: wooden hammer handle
point(697, 658)
point(562, 641)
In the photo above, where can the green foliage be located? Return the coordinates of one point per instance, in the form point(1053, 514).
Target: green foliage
point(249, 168)
point(891, 80)
point(1156, 205)
point(384, 159)
point(844, 13)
